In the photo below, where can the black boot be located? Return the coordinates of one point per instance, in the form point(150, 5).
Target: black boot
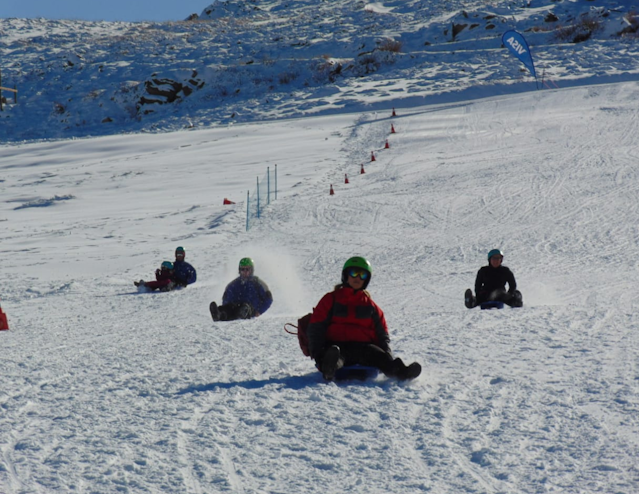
point(469, 300)
point(412, 371)
point(518, 300)
point(215, 312)
point(331, 362)
point(403, 372)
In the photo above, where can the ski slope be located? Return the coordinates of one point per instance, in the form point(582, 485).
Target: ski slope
point(107, 390)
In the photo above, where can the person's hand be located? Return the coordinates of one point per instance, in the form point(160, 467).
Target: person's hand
point(256, 314)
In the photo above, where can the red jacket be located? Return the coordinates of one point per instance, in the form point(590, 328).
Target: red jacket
point(346, 315)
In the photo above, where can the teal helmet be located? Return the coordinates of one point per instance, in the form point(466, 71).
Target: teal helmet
point(180, 251)
point(357, 262)
point(495, 252)
point(247, 262)
point(167, 265)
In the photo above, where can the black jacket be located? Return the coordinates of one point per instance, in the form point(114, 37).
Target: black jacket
point(490, 279)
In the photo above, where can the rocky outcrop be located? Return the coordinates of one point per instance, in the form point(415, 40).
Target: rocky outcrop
point(164, 90)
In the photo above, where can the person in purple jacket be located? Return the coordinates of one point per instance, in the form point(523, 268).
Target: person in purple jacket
point(183, 273)
point(245, 297)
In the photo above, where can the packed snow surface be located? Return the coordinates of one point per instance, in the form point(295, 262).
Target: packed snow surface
point(107, 389)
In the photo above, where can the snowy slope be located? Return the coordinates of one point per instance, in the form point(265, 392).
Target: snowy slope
point(107, 390)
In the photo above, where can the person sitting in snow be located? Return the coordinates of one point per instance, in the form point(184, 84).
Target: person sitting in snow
point(163, 279)
point(183, 273)
point(490, 284)
point(348, 328)
point(245, 297)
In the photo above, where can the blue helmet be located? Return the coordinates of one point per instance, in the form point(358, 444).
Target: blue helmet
point(495, 252)
point(167, 265)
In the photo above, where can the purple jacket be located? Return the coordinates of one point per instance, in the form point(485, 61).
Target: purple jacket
point(251, 290)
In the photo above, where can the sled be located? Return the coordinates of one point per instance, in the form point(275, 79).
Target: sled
point(491, 304)
point(357, 373)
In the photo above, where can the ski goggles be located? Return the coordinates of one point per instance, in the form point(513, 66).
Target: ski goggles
point(355, 272)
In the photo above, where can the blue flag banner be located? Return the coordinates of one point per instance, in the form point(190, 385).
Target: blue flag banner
point(517, 45)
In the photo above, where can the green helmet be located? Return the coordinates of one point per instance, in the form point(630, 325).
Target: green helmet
point(357, 262)
point(247, 262)
point(167, 265)
point(495, 252)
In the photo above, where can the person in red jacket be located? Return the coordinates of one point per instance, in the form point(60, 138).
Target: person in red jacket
point(348, 328)
point(163, 279)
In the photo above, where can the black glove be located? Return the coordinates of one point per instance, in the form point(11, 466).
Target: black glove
point(384, 345)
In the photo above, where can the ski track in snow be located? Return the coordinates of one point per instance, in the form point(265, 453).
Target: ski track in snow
point(110, 390)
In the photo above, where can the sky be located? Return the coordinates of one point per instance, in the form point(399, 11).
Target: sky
point(114, 10)
point(107, 388)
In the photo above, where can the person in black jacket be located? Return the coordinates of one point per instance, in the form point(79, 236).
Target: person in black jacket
point(490, 284)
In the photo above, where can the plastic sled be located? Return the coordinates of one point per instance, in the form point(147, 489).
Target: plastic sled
point(491, 304)
point(356, 372)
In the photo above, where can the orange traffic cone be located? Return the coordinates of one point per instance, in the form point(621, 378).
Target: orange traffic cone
point(346, 178)
point(392, 129)
point(4, 324)
point(394, 114)
point(332, 192)
point(362, 170)
point(386, 146)
point(372, 156)
point(226, 201)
